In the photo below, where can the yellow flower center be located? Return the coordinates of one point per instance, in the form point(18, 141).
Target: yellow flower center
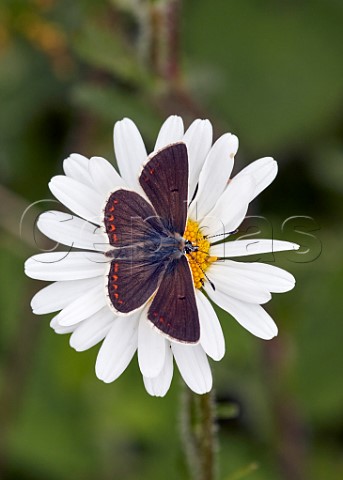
point(198, 261)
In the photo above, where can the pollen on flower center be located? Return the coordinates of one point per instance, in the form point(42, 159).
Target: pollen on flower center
point(200, 260)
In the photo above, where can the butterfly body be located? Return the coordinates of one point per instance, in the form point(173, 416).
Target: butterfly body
point(159, 248)
point(148, 258)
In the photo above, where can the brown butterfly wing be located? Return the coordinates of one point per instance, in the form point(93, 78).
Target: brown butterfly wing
point(164, 179)
point(173, 309)
point(129, 219)
point(131, 282)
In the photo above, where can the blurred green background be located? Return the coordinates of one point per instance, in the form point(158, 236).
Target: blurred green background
point(270, 71)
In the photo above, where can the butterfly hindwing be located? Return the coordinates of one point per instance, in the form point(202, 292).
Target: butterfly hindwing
point(173, 309)
point(164, 179)
point(129, 219)
point(132, 281)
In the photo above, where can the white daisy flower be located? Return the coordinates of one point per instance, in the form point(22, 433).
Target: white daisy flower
point(85, 289)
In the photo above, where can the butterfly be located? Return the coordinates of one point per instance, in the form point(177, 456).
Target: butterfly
point(148, 258)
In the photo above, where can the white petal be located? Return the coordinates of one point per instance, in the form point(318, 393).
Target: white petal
point(252, 317)
point(194, 367)
point(65, 266)
point(83, 307)
point(211, 333)
point(77, 166)
point(230, 209)
point(159, 386)
point(93, 330)
point(130, 151)
point(73, 231)
point(198, 139)
point(118, 348)
point(151, 348)
point(214, 175)
point(58, 295)
point(267, 276)
point(263, 170)
point(105, 176)
point(237, 284)
point(170, 132)
point(240, 248)
point(79, 198)
point(59, 329)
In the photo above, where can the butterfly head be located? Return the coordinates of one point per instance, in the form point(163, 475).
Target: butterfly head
point(189, 247)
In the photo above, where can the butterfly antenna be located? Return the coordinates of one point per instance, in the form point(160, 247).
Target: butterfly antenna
point(221, 234)
point(209, 281)
point(233, 232)
point(199, 265)
point(194, 194)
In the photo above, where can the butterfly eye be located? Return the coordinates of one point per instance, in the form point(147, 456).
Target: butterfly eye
point(189, 247)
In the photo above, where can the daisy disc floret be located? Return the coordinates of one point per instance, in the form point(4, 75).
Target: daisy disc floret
point(200, 260)
point(88, 283)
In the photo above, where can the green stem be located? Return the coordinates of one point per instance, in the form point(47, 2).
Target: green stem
point(199, 434)
point(207, 437)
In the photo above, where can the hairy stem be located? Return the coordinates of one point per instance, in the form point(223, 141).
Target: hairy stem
point(207, 437)
point(199, 434)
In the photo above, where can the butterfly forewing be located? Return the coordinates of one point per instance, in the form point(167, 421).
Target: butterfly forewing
point(173, 309)
point(129, 219)
point(164, 179)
